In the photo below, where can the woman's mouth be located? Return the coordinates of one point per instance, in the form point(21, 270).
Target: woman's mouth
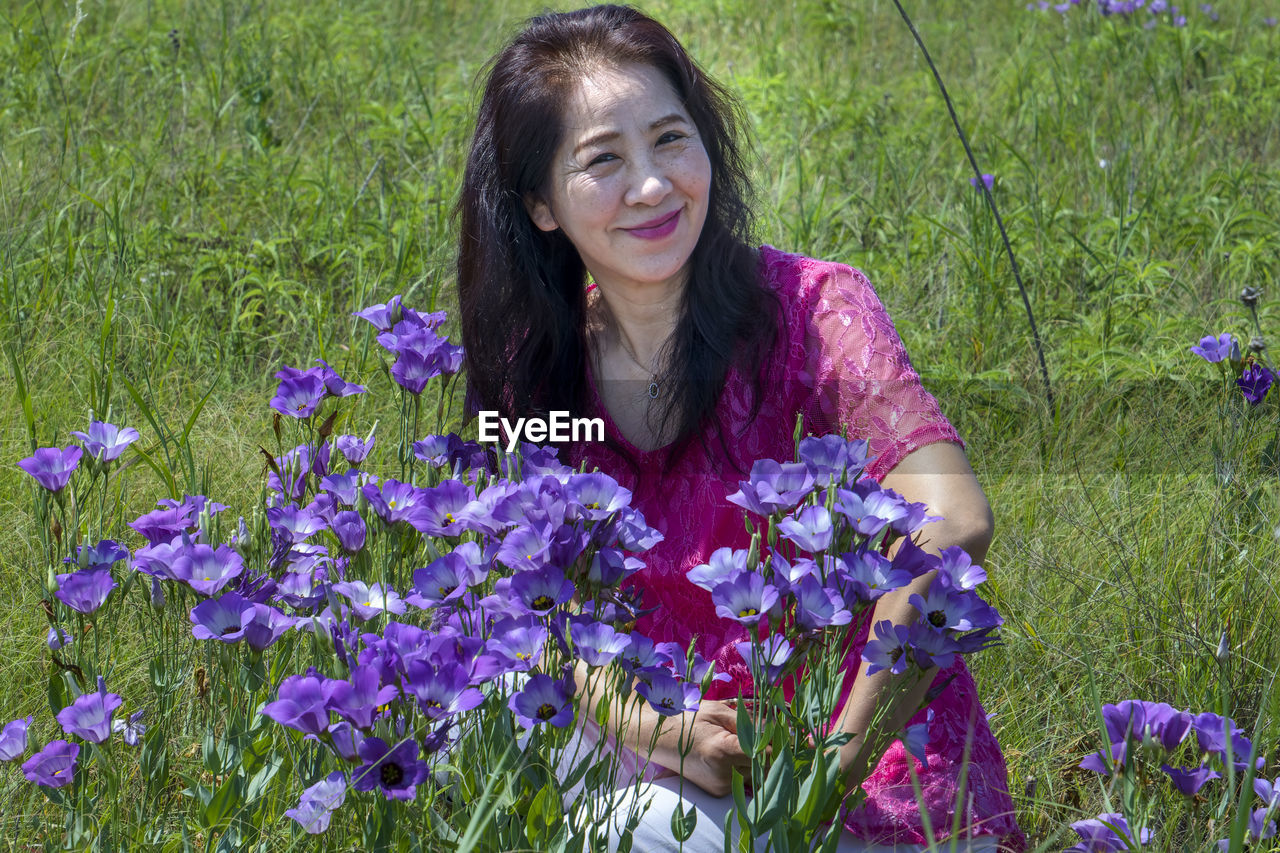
point(656, 229)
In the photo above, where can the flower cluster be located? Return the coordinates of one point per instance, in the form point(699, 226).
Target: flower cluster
point(1139, 732)
point(823, 562)
point(1152, 11)
point(1253, 378)
point(421, 354)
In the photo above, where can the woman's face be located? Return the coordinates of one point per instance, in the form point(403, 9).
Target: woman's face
point(629, 184)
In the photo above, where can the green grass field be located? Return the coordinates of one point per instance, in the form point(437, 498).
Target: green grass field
point(193, 194)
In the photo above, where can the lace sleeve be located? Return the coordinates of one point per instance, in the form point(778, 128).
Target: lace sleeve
point(860, 372)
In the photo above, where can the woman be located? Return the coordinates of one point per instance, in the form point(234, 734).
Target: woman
point(601, 150)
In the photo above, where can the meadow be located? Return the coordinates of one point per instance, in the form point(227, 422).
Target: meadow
point(195, 194)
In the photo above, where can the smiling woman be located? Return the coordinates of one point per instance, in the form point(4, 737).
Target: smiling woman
point(606, 269)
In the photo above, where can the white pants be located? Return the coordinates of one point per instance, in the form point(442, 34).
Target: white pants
point(658, 799)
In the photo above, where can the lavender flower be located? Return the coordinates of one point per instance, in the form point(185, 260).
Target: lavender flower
point(54, 766)
point(302, 703)
point(1189, 780)
point(544, 700)
point(518, 643)
point(319, 802)
point(104, 555)
point(299, 393)
point(357, 700)
point(396, 771)
point(58, 638)
point(350, 530)
point(916, 738)
point(441, 690)
point(773, 487)
point(1255, 382)
point(832, 460)
point(668, 695)
point(1106, 832)
point(52, 467)
point(383, 316)
point(988, 181)
point(85, 591)
point(89, 716)
point(768, 660)
point(132, 729)
point(597, 643)
point(368, 601)
point(890, 649)
point(13, 740)
point(745, 598)
point(105, 442)
point(810, 529)
point(353, 448)
point(207, 570)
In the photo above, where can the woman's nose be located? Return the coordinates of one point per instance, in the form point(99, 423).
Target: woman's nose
point(649, 184)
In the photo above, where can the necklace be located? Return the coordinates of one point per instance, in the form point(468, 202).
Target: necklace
point(654, 389)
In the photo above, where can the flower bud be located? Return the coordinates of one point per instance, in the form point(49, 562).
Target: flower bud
point(157, 594)
point(1223, 652)
point(1249, 296)
point(1257, 344)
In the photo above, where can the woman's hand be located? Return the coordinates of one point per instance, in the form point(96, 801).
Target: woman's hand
point(714, 752)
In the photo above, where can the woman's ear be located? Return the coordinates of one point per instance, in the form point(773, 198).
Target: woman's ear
point(540, 213)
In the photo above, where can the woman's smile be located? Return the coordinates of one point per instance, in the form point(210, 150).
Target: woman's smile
point(656, 229)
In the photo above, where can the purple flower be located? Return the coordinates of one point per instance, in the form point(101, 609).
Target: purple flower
point(357, 700)
point(58, 638)
point(368, 601)
point(890, 649)
point(132, 729)
point(810, 529)
point(773, 487)
point(13, 740)
point(868, 507)
point(224, 618)
point(319, 802)
point(447, 578)
point(1217, 735)
point(864, 577)
point(958, 566)
point(1259, 828)
point(986, 180)
point(519, 642)
point(916, 738)
point(1189, 780)
point(668, 695)
point(393, 500)
point(1255, 382)
point(441, 690)
point(767, 660)
point(744, 598)
point(396, 771)
point(541, 590)
point(161, 526)
point(52, 467)
point(1104, 760)
point(544, 700)
point(723, 564)
point(299, 393)
point(383, 316)
point(266, 625)
point(832, 460)
point(105, 442)
point(294, 524)
point(85, 591)
point(597, 643)
point(1153, 724)
point(54, 766)
point(442, 509)
point(353, 448)
point(302, 703)
point(1106, 832)
point(818, 607)
point(1268, 791)
point(349, 528)
point(89, 716)
point(422, 355)
point(335, 385)
point(946, 608)
point(596, 495)
point(208, 570)
point(104, 555)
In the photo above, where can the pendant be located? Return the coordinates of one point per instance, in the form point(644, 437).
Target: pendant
point(653, 390)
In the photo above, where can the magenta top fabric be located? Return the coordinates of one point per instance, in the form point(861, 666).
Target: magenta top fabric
point(842, 364)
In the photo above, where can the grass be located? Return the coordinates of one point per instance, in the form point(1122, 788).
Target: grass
point(193, 194)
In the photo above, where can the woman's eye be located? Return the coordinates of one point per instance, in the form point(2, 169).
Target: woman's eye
point(602, 158)
point(670, 136)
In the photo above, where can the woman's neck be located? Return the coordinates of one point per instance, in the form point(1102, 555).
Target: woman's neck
point(640, 323)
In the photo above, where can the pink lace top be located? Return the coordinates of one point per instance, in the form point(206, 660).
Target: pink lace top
point(843, 364)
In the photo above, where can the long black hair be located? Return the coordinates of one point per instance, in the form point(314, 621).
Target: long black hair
point(522, 291)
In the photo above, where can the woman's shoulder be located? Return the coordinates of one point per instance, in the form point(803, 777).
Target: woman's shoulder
point(807, 283)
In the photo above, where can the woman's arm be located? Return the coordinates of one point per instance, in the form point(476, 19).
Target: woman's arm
point(939, 476)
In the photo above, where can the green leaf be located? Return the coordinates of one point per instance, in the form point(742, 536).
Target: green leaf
point(773, 800)
point(746, 730)
point(683, 823)
point(545, 816)
point(58, 698)
point(223, 804)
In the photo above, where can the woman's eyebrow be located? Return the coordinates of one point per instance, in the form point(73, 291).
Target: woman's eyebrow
point(610, 135)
